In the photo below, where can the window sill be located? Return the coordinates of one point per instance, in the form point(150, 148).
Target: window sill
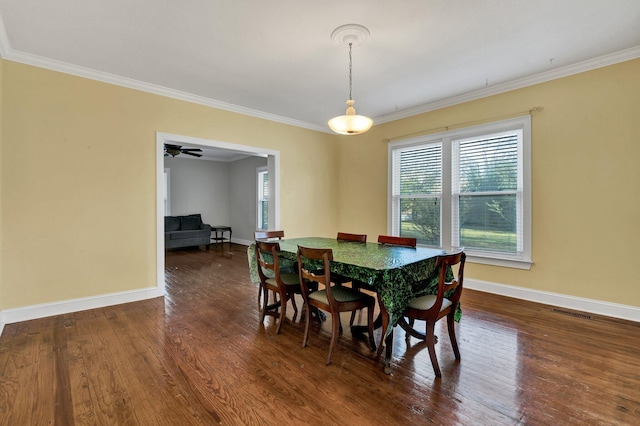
point(499, 261)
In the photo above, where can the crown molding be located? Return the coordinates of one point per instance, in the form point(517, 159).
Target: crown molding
point(5, 47)
point(588, 65)
point(9, 54)
point(64, 67)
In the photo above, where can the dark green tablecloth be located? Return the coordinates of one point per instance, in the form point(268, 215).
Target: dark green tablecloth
point(397, 274)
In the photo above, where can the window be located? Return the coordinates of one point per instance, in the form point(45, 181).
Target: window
point(263, 199)
point(466, 188)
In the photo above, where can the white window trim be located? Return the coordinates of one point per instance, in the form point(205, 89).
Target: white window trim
point(522, 261)
point(167, 188)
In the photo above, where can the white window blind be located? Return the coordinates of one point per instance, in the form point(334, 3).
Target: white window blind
point(417, 192)
point(487, 193)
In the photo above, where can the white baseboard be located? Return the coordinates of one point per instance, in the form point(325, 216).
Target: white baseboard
point(9, 316)
point(242, 242)
point(598, 307)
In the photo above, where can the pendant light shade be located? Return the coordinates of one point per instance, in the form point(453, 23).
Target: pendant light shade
point(350, 123)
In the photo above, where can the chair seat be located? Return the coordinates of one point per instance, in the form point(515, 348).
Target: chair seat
point(288, 279)
point(341, 294)
point(425, 303)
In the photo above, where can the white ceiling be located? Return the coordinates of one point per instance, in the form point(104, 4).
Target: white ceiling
point(213, 153)
point(276, 59)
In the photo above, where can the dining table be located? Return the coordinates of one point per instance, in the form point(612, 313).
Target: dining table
point(397, 274)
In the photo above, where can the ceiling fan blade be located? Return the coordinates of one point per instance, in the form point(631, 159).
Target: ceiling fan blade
point(171, 150)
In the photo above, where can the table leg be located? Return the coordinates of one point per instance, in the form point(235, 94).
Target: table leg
point(388, 343)
point(388, 340)
point(218, 235)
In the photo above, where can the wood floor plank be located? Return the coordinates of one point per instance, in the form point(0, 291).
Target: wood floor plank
point(83, 411)
point(113, 402)
point(18, 378)
point(200, 356)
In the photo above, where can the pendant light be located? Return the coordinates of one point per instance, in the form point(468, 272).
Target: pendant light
point(350, 124)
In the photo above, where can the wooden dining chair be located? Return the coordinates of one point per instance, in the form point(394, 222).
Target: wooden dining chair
point(269, 235)
point(397, 241)
point(284, 286)
point(341, 279)
point(356, 238)
point(433, 307)
point(328, 296)
point(359, 238)
point(386, 240)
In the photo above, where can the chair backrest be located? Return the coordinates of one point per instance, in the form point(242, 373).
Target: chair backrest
point(267, 258)
point(361, 238)
point(446, 262)
point(397, 241)
point(307, 269)
point(268, 235)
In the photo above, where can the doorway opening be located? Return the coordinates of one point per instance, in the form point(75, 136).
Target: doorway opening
point(273, 169)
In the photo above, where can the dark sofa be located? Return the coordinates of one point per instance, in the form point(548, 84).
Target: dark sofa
point(186, 231)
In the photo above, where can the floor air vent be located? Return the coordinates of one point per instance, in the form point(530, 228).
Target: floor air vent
point(572, 314)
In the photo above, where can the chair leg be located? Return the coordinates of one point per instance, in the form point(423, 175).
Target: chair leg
point(410, 331)
point(356, 286)
point(431, 344)
point(411, 324)
point(265, 300)
point(353, 317)
point(283, 310)
point(305, 339)
point(335, 330)
point(452, 335)
point(292, 296)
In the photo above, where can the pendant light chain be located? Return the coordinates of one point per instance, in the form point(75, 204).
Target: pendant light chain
point(350, 71)
point(350, 123)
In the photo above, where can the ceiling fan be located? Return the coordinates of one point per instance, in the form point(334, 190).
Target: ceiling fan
point(173, 150)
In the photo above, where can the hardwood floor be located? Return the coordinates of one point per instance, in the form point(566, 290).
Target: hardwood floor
point(199, 356)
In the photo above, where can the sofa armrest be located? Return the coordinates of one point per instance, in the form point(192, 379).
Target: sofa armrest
point(205, 226)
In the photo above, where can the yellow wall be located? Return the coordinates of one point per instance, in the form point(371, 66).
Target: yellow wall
point(585, 177)
point(1, 222)
point(78, 181)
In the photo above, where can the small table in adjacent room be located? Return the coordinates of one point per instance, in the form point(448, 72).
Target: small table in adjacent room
point(218, 234)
